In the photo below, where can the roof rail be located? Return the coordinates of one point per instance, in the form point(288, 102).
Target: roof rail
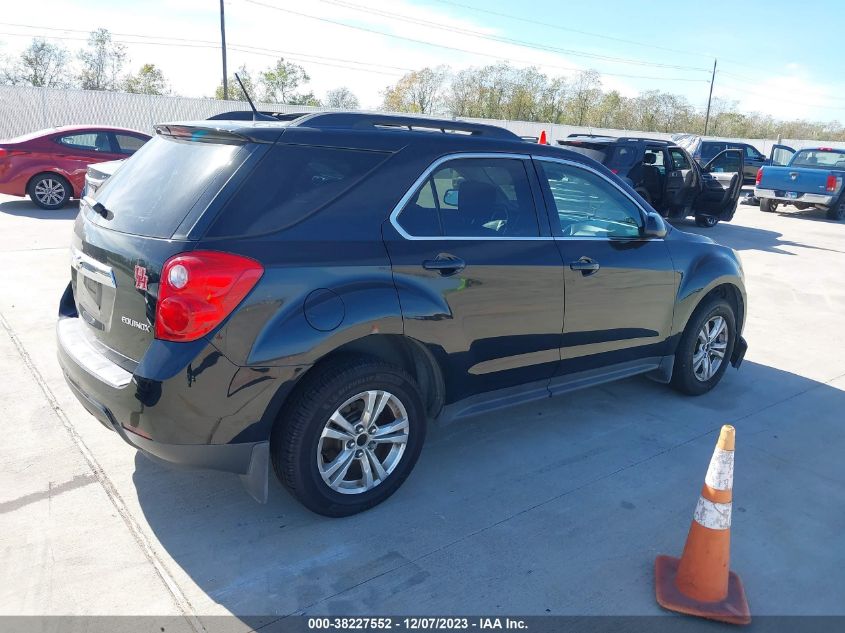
point(247, 115)
point(364, 120)
point(585, 135)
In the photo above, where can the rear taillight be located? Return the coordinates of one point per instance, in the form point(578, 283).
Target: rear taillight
point(199, 289)
point(759, 175)
point(7, 153)
point(832, 183)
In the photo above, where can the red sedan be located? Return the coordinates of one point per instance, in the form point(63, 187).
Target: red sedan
point(49, 166)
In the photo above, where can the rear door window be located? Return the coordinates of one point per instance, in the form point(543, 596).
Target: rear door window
point(88, 141)
point(156, 189)
point(679, 159)
point(290, 183)
point(128, 144)
point(474, 198)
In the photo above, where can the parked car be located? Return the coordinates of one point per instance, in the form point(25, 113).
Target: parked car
point(50, 165)
point(309, 294)
point(703, 151)
point(665, 175)
point(97, 174)
point(812, 178)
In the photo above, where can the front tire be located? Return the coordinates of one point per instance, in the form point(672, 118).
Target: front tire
point(350, 436)
point(706, 221)
point(705, 348)
point(767, 205)
point(49, 191)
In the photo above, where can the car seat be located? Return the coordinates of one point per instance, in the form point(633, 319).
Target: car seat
point(652, 179)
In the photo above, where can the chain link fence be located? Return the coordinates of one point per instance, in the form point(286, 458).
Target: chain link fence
point(26, 109)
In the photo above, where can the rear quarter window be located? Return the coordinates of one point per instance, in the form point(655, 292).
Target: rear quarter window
point(290, 183)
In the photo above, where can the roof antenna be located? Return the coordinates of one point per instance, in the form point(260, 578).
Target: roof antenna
point(256, 115)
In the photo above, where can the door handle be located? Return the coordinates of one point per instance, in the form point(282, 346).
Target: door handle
point(586, 265)
point(445, 264)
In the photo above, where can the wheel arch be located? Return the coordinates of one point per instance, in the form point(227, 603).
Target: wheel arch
point(403, 351)
point(710, 273)
point(51, 172)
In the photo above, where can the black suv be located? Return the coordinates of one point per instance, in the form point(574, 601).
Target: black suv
point(310, 293)
point(667, 177)
point(704, 151)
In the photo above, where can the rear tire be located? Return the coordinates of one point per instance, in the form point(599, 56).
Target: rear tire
point(325, 426)
point(837, 213)
point(767, 205)
point(697, 351)
point(49, 191)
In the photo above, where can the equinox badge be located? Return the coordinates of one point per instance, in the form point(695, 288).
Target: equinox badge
point(145, 327)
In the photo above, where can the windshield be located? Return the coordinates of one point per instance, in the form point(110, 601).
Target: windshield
point(819, 158)
point(155, 190)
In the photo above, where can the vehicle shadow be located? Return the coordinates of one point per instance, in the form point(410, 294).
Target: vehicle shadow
point(746, 238)
point(498, 507)
point(26, 209)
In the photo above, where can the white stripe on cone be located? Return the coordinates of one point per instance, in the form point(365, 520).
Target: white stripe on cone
point(716, 516)
point(720, 473)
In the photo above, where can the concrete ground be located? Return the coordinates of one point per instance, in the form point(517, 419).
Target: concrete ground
point(557, 507)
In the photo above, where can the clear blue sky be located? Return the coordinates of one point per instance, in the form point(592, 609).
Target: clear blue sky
point(777, 56)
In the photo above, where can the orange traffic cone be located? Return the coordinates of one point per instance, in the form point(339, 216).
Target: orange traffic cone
point(701, 583)
point(543, 139)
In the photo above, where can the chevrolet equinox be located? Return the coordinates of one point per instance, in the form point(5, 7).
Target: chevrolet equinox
point(310, 293)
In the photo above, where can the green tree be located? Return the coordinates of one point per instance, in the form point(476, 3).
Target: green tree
point(342, 98)
point(420, 91)
point(306, 99)
point(41, 64)
point(102, 62)
point(281, 80)
point(235, 92)
point(149, 80)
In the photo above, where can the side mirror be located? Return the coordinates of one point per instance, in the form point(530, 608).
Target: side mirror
point(451, 197)
point(655, 226)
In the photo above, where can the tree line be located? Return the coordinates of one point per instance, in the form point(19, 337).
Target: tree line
point(101, 64)
point(501, 91)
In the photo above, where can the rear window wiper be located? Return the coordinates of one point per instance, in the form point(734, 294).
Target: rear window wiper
point(98, 207)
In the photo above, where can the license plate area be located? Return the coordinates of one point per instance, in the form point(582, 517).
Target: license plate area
point(792, 195)
point(94, 291)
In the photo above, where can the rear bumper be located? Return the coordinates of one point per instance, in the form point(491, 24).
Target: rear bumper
point(176, 420)
point(806, 198)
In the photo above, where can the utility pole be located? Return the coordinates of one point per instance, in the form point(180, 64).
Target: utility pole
point(709, 99)
point(223, 40)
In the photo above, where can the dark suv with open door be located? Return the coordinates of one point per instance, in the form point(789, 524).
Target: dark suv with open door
point(667, 177)
point(309, 294)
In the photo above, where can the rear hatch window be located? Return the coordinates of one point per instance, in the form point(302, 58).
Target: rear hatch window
point(158, 187)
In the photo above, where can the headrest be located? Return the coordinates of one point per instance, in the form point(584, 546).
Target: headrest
point(650, 159)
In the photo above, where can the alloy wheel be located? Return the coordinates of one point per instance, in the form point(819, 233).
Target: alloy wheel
point(49, 191)
point(362, 442)
point(710, 347)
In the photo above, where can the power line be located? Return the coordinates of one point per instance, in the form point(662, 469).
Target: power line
point(189, 43)
point(508, 40)
point(455, 48)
